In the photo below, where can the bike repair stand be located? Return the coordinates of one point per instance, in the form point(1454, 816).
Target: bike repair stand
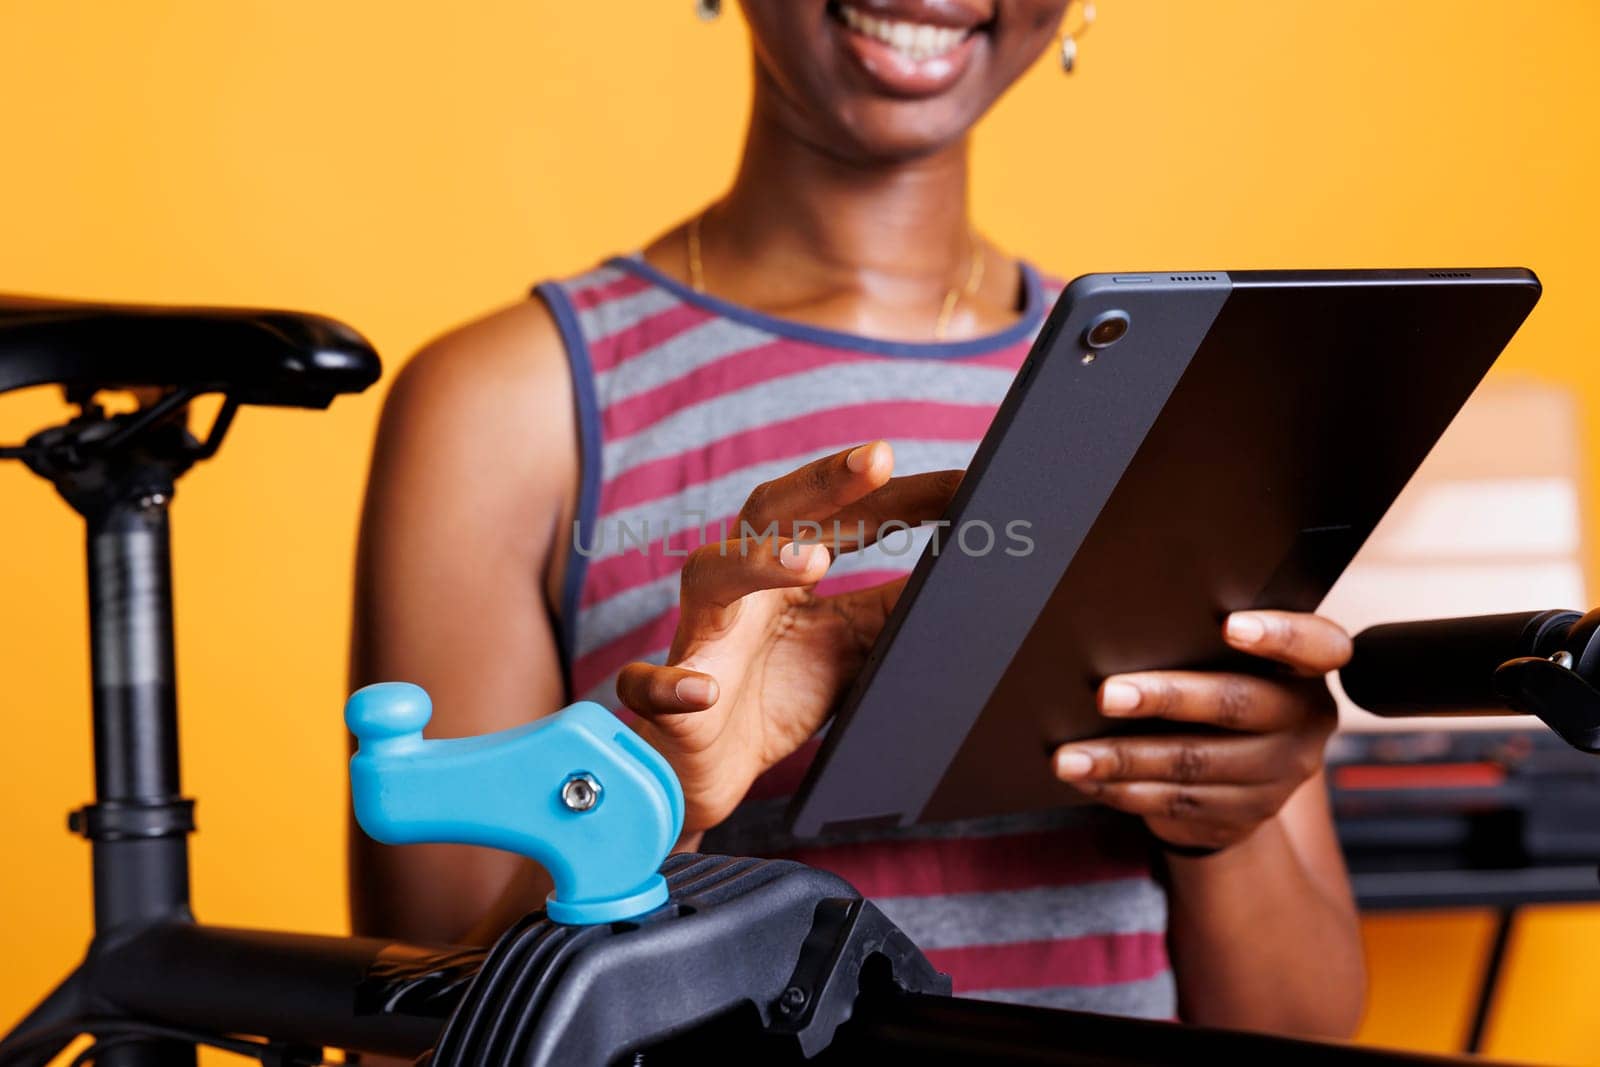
point(625, 955)
point(632, 947)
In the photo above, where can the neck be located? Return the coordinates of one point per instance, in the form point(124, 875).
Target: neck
point(897, 230)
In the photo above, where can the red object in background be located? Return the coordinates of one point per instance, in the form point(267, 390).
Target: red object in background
point(1420, 776)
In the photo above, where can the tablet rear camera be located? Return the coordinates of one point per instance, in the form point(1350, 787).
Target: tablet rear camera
point(1106, 330)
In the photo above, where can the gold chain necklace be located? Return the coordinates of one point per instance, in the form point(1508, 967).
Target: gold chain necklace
point(947, 310)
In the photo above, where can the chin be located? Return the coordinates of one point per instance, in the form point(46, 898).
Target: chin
point(884, 80)
point(883, 131)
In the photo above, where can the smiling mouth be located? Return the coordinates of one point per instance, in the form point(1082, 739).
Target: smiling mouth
point(916, 42)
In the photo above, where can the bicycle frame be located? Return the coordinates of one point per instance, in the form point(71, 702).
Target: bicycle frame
point(375, 996)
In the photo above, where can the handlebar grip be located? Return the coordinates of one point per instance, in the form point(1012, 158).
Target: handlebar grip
point(1446, 666)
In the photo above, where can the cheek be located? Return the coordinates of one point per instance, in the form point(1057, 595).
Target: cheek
point(1025, 29)
point(786, 30)
point(792, 49)
point(1042, 16)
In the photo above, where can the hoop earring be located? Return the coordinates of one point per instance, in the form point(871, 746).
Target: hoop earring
point(1070, 38)
point(707, 9)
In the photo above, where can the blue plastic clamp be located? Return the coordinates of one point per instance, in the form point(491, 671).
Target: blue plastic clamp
point(577, 792)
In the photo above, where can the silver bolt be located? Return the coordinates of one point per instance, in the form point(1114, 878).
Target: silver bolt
point(580, 792)
point(1562, 659)
point(153, 500)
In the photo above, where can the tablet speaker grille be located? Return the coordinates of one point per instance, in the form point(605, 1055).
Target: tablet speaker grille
point(1191, 277)
point(1449, 274)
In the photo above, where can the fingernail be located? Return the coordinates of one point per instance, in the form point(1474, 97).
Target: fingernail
point(860, 458)
point(1117, 697)
point(1073, 763)
point(796, 557)
point(1245, 629)
point(700, 692)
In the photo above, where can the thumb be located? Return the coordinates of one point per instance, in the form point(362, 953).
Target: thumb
point(654, 691)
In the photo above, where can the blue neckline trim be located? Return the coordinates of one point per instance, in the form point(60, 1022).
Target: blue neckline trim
point(589, 459)
point(1033, 313)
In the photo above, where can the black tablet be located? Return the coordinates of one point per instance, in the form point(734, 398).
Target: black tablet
point(1176, 447)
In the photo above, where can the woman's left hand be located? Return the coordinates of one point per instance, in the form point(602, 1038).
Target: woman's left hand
point(1211, 790)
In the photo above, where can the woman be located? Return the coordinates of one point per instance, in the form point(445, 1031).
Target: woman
point(543, 475)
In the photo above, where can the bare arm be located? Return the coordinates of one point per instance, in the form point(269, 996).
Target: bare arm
point(471, 487)
point(1264, 934)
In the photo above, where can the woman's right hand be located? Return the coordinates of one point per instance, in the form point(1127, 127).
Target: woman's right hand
point(759, 661)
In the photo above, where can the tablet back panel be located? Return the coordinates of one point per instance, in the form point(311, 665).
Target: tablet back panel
point(1233, 450)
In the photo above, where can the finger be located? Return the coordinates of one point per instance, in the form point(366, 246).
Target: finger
point(717, 576)
point(1239, 702)
point(1310, 644)
point(1242, 760)
point(1226, 804)
point(651, 690)
point(816, 491)
point(908, 501)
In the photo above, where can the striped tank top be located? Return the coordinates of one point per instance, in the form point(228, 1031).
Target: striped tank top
point(685, 403)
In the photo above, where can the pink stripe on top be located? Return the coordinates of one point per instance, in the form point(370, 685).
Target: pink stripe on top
point(659, 478)
point(685, 404)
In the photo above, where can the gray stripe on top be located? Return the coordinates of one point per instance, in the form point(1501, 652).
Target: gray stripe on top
point(1148, 998)
point(796, 395)
point(676, 357)
point(610, 619)
point(1047, 913)
point(594, 279)
point(604, 692)
point(614, 316)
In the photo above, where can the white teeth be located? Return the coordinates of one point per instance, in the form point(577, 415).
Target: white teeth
point(915, 40)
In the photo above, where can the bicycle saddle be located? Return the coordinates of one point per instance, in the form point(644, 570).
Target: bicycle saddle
point(278, 358)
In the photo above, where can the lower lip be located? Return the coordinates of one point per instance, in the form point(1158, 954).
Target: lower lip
point(901, 75)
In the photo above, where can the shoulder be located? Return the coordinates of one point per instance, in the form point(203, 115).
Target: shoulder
point(485, 406)
point(493, 363)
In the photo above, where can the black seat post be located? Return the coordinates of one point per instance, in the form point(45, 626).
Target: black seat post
point(139, 822)
point(118, 472)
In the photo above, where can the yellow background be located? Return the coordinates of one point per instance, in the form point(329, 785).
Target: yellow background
point(406, 165)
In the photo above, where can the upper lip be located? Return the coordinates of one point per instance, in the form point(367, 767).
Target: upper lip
point(952, 14)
